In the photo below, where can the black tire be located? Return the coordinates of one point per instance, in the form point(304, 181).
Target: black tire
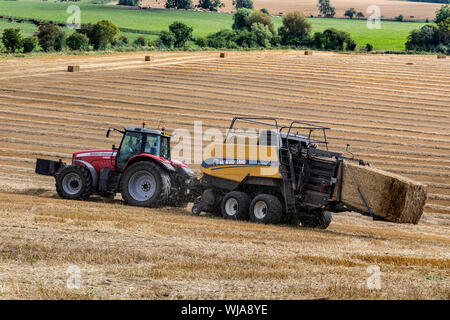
point(322, 220)
point(74, 182)
point(309, 222)
point(139, 189)
point(266, 208)
point(196, 210)
point(235, 206)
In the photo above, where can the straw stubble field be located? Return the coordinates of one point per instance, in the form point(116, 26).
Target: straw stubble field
point(395, 115)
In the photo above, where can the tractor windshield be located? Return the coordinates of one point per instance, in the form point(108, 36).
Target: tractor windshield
point(131, 145)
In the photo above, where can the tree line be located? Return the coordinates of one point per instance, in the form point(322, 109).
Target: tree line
point(250, 29)
point(433, 37)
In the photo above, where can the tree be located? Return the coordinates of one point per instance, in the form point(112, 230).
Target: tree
point(442, 14)
point(50, 37)
point(425, 39)
point(181, 32)
point(123, 40)
point(166, 39)
point(140, 41)
point(29, 44)
point(247, 4)
point(78, 41)
point(264, 10)
point(360, 15)
point(296, 28)
point(103, 33)
point(12, 39)
point(179, 4)
point(223, 39)
point(260, 17)
point(333, 39)
point(444, 31)
point(350, 13)
point(399, 18)
point(326, 8)
point(262, 34)
point(211, 5)
point(240, 18)
point(201, 42)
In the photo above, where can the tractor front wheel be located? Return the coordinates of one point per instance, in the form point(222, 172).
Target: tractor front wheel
point(145, 184)
point(74, 182)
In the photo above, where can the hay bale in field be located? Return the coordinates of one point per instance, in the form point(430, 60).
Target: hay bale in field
point(73, 68)
point(410, 63)
point(148, 58)
point(308, 53)
point(441, 56)
point(388, 195)
point(223, 54)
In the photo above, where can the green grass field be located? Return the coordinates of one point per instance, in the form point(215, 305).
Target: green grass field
point(391, 36)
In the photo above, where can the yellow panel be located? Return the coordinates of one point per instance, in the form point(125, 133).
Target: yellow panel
point(236, 161)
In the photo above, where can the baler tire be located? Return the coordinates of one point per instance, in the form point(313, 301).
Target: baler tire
point(269, 205)
point(161, 178)
point(321, 221)
point(324, 220)
point(84, 176)
point(235, 201)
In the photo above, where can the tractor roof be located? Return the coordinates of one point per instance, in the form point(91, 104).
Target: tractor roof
point(145, 130)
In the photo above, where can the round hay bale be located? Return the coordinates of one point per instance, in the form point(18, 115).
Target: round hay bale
point(441, 56)
point(308, 53)
point(148, 58)
point(223, 54)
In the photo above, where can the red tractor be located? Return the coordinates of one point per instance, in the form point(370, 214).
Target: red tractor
point(140, 169)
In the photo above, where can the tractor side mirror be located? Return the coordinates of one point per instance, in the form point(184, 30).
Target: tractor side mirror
point(114, 147)
point(108, 132)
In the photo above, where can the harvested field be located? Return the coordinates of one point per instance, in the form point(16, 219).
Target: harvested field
point(389, 8)
point(395, 115)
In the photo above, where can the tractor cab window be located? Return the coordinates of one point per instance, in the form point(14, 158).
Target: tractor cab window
point(131, 145)
point(157, 145)
point(153, 144)
point(165, 148)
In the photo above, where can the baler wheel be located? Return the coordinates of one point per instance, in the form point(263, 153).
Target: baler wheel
point(266, 208)
point(235, 206)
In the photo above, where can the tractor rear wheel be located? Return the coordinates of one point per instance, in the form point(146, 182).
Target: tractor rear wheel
point(235, 206)
point(266, 208)
point(145, 184)
point(74, 182)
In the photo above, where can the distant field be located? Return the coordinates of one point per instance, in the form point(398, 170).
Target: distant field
point(391, 36)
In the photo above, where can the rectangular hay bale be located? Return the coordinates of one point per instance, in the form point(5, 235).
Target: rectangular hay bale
point(390, 196)
point(73, 68)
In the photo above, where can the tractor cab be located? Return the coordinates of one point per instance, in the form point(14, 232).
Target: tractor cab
point(139, 140)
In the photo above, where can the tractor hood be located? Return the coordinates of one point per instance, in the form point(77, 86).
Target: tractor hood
point(102, 154)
